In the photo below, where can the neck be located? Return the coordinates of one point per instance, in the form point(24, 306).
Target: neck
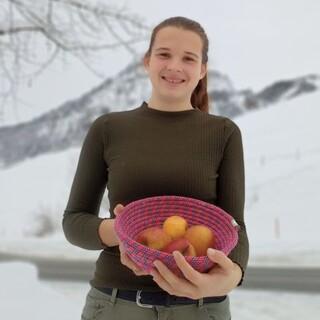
point(169, 105)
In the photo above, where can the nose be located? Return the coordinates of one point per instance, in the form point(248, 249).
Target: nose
point(174, 64)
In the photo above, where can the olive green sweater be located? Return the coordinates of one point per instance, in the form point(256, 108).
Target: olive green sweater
point(146, 152)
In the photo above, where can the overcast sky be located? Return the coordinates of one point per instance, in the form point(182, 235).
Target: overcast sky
point(253, 42)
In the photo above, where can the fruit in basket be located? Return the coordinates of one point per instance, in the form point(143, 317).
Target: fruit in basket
point(176, 235)
point(180, 244)
point(201, 237)
point(154, 237)
point(191, 251)
point(175, 226)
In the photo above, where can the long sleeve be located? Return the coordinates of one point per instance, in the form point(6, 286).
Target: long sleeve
point(80, 220)
point(231, 190)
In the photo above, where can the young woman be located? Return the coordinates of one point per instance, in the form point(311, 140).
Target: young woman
point(168, 145)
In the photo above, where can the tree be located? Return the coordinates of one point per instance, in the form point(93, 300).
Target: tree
point(35, 34)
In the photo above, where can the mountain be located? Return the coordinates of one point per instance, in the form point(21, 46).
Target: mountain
point(66, 125)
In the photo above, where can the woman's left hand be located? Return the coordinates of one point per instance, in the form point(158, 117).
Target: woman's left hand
point(219, 281)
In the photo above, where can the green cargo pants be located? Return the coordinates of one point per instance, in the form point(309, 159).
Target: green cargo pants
point(102, 306)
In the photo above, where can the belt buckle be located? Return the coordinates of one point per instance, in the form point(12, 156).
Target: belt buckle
point(138, 297)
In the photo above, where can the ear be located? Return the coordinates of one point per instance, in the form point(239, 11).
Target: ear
point(146, 60)
point(203, 70)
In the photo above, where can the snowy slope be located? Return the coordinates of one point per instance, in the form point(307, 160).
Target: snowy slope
point(282, 152)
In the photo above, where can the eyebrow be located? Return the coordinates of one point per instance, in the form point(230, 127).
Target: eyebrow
point(188, 52)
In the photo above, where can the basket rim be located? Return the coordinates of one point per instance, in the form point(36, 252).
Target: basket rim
point(151, 199)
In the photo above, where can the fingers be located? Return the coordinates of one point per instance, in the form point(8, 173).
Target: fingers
point(190, 273)
point(221, 259)
point(162, 282)
point(170, 282)
point(118, 208)
point(125, 260)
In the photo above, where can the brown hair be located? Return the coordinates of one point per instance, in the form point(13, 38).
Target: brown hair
point(199, 97)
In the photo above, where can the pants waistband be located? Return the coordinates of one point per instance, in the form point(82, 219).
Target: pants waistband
point(147, 298)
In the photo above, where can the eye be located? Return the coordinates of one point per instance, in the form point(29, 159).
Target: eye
point(189, 59)
point(163, 54)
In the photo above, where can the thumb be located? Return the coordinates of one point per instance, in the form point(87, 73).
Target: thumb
point(118, 209)
point(220, 258)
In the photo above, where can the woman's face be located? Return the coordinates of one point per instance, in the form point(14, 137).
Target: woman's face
point(175, 65)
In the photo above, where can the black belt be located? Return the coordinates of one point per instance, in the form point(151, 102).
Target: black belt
point(148, 298)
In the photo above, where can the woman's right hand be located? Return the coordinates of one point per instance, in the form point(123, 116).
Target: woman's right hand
point(125, 260)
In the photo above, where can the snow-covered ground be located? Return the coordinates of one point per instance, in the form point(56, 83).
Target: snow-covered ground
point(282, 159)
point(23, 296)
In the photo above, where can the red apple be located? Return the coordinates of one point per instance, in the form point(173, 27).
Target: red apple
point(153, 237)
point(191, 251)
point(180, 244)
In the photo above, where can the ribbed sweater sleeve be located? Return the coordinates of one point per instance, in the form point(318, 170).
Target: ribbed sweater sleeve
point(231, 189)
point(80, 220)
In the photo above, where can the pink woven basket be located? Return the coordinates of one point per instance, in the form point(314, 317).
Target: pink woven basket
point(152, 211)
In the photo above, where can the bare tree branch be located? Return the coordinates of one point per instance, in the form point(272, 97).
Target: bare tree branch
point(36, 34)
point(20, 29)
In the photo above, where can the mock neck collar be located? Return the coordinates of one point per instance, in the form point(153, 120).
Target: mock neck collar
point(146, 108)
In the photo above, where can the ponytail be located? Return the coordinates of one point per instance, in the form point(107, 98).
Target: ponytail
point(199, 97)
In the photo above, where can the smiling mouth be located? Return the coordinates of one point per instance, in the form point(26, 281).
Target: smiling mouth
point(171, 81)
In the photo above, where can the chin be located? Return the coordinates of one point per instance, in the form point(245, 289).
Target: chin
point(173, 94)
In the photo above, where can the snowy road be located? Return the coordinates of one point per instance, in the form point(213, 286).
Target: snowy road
point(266, 278)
